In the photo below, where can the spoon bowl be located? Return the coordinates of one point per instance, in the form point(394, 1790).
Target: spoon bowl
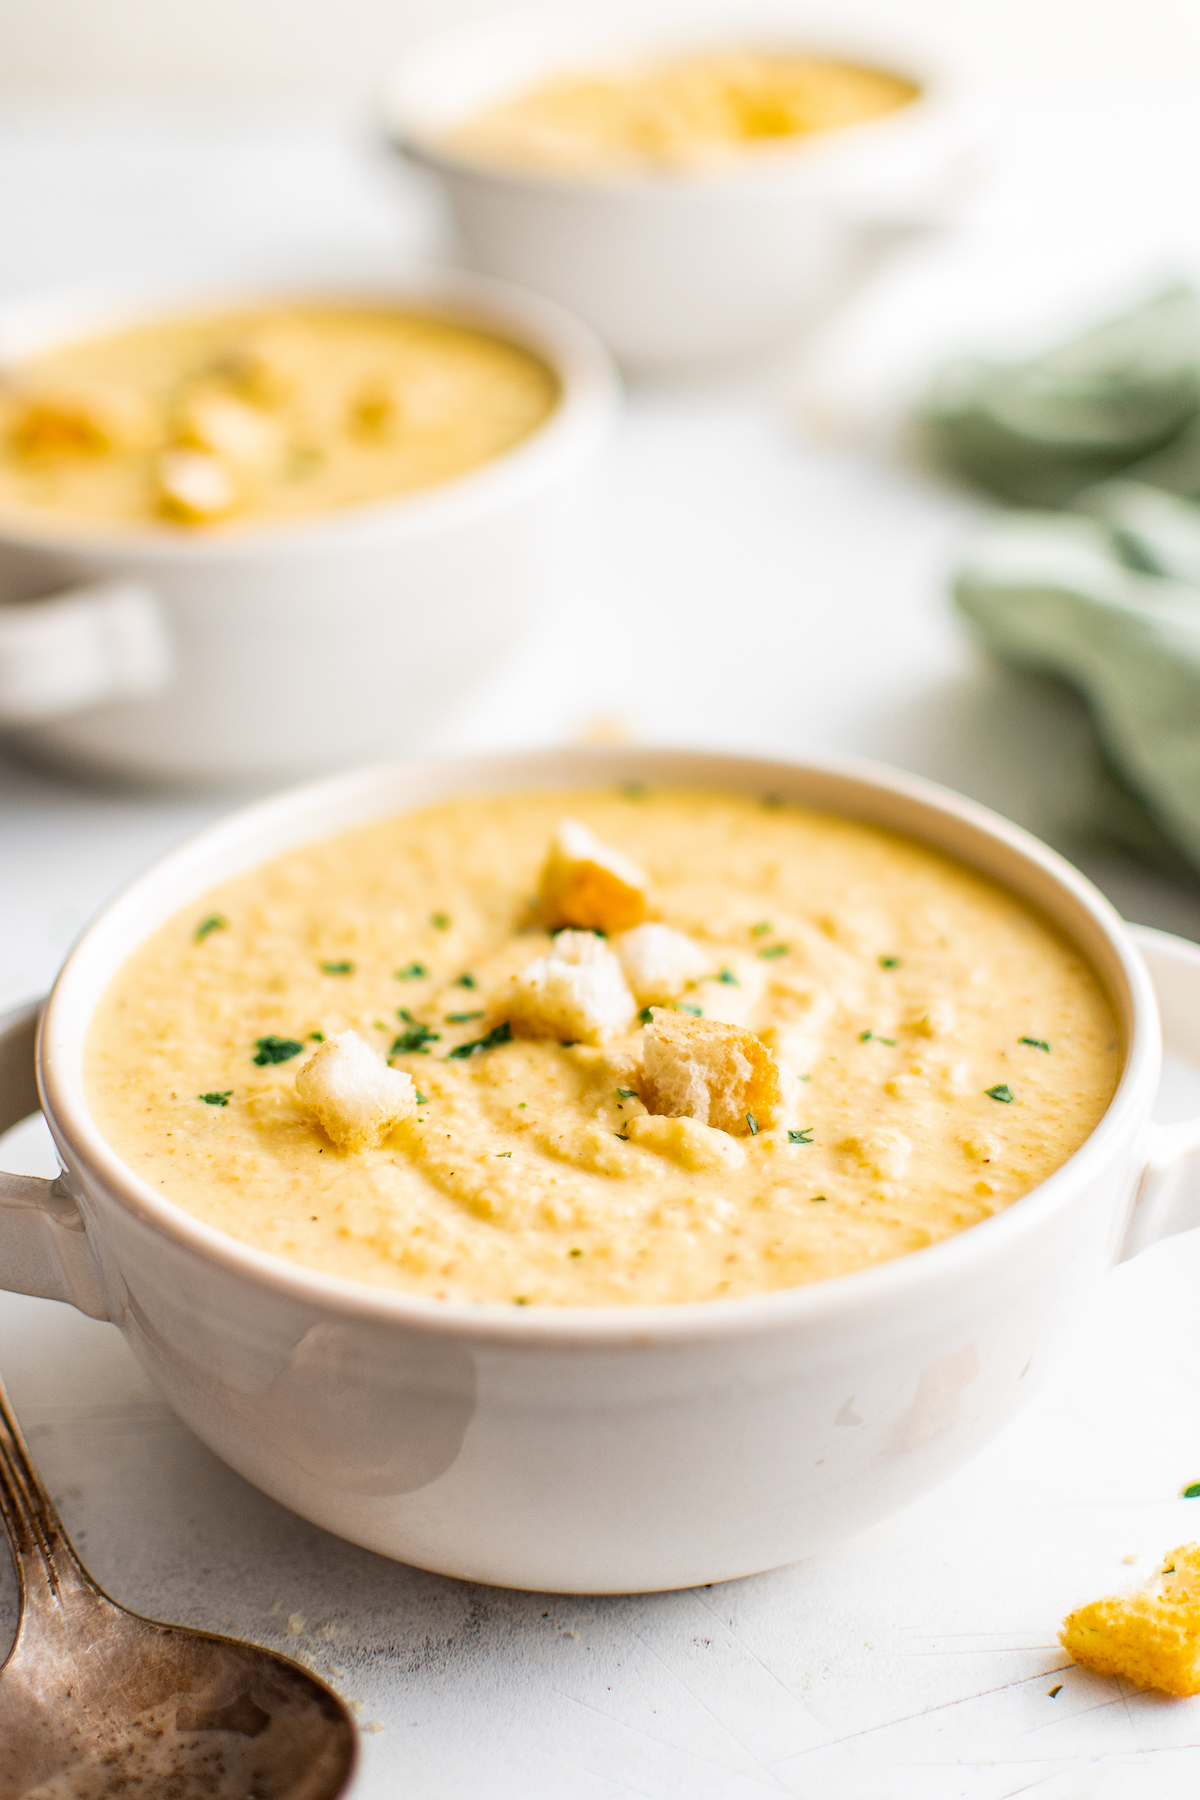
point(96, 1702)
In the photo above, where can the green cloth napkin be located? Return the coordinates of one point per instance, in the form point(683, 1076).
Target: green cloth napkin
point(1104, 596)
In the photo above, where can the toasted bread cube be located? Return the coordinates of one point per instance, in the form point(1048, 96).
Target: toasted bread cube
point(1151, 1637)
point(353, 1093)
point(703, 1069)
point(228, 428)
point(587, 883)
point(659, 962)
point(194, 486)
point(577, 994)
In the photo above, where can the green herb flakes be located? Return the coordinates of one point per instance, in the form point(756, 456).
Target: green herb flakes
point(697, 1012)
point(864, 1037)
point(1035, 1044)
point(316, 1037)
point(417, 1038)
point(574, 1252)
point(462, 1018)
point(413, 971)
point(221, 1099)
point(275, 1050)
point(728, 977)
point(206, 927)
point(467, 981)
point(440, 921)
point(337, 968)
point(1190, 1492)
point(504, 1153)
point(1001, 1091)
point(802, 1137)
point(771, 951)
point(499, 1034)
point(752, 1122)
point(817, 1200)
point(422, 1100)
point(627, 1093)
point(623, 1135)
point(645, 1016)
point(761, 929)
point(889, 962)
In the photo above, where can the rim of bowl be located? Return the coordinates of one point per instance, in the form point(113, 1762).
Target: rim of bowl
point(414, 129)
point(590, 391)
point(361, 796)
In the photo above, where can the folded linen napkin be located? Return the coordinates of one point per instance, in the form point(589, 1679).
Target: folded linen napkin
point(1105, 596)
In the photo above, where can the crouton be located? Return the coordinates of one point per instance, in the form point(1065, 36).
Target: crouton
point(194, 486)
point(586, 883)
point(659, 962)
point(576, 994)
point(353, 1093)
point(1151, 1637)
point(227, 427)
point(705, 1070)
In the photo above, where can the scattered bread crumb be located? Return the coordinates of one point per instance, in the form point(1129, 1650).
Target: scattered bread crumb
point(576, 994)
point(353, 1093)
point(1152, 1636)
point(659, 962)
point(715, 1073)
point(589, 884)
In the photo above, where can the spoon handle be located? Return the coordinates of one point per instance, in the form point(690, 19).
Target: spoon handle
point(47, 1567)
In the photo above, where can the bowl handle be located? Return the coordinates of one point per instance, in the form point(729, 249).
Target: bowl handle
point(1168, 1197)
point(106, 641)
point(43, 1239)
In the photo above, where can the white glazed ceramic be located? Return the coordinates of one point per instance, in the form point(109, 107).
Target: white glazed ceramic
point(263, 653)
point(682, 269)
point(596, 1449)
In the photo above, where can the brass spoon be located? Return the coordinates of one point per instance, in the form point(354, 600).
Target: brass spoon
point(97, 1702)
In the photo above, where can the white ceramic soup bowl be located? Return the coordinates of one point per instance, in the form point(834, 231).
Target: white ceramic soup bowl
point(684, 267)
point(261, 653)
point(602, 1449)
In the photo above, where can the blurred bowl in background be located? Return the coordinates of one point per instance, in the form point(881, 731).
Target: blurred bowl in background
point(690, 265)
point(292, 646)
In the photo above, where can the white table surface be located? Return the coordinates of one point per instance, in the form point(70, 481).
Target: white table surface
point(756, 588)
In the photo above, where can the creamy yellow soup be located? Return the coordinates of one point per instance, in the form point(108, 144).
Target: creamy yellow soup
point(677, 113)
point(257, 416)
point(944, 1050)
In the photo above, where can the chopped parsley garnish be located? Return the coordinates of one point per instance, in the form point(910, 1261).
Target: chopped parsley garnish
point(728, 977)
point(462, 1018)
point(761, 929)
point(338, 968)
point(889, 962)
point(467, 981)
point(574, 1252)
point(627, 1093)
point(316, 1037)
point(417, 1038)
point(214, 922)
point(1035, 1044)
point(646, 1014)
point(440, 921)
point(864, 1037)
point(772, 951)
point(623, 1135)
point(867, 1037)
point(889, 1041)
point(1190, 1492)
point(275, 1050)
point(1054, 1692)
point(504, 1153)
point(817, 1200)
point(413, 971)
point(752, 1122)
point(1001, 1091)
point(632, 790)
point(499, 1034)
point(802, 1137)
point(221, 1099)
point(422, 1100)
point(697, 1012)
